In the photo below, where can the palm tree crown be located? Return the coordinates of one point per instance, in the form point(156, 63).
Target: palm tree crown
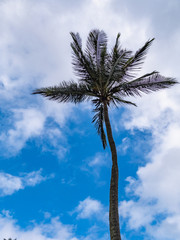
point(105, 77)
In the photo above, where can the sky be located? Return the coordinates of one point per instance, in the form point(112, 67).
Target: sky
point(54, 173)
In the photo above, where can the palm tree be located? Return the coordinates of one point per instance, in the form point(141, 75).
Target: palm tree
point(106, 78)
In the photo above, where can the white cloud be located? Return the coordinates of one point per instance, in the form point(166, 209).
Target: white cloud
point(100, 159)
point(34, 178)
point(30, 58)
point(10, 184)
point(138, 214)
point(95, 164)
point(123, 147)
point(89, 208)
point(35, 51)
point(27, 123)
point(54, 230)
point(33, 57)
point(167, 229)
point(93, 234)
point(156, 189)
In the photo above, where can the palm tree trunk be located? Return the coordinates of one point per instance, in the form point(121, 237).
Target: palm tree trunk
point(113, 202)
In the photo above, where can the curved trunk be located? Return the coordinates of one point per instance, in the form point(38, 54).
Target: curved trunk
point(113, 202)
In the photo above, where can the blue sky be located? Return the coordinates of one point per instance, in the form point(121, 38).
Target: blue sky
point(54, 176)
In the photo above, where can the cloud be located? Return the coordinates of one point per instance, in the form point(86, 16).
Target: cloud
point(32, 123)
point(34, 178)
point(89, 208)
point(54, 230)
point(50, 229)
point(30, 59)
point(95, 164)
point(27, 123)
point(123, 147)
point(94, 211)
point(10, 184)
point(99, 160)
point(153, 13)
point(93, 233)
point(156, 189)
point(35, 52)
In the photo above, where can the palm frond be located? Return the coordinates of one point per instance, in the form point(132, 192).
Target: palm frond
point(116, 61)
point(82, 67)
point(116, 49)
point(135, 62)
point(117, 71)
point(66, 92)
point(98, 120)
point(117, 89)
point(138, 59)
point(147, 83)
point(104, 68)
point(96, 41)
point(118, 100)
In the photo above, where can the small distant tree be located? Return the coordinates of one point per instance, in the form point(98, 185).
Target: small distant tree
point(9, 239)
